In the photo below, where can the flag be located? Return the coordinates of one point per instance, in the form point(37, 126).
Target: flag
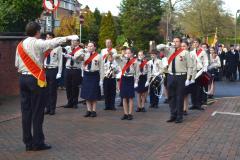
point(215, 39)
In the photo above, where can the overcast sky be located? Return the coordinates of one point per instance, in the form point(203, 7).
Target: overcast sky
point(112, 5)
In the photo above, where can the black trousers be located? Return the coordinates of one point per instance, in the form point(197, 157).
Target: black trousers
point(176, 90)
point(197, 95)
point(32, 108)
point(51, 90)
point(73, 78)
point(152, 94)
point(239, 70)
point(109, 89)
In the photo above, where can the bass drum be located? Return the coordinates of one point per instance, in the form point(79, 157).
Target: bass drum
point(156, 82)
point(204, 79)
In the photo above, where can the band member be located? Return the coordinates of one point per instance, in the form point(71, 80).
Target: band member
point(108, 50)
point(73, 74)
point(53, 65)
point(141, 79)
point(201, 62)
point(128, 66)
point(155, 68)
point(29, 62)
point(110, 69)
point(179, 68)
point(213, 68)
point(232, 58)
point(92, 73)
point(188, 86)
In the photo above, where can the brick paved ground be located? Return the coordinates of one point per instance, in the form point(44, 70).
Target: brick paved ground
point(147, 137)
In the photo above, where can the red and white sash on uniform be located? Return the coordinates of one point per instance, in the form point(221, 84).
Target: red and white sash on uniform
point(47, 53)
point(199, 51)
point(127, 65)
point(89, 60)
point(37, 71)
point(108, 51)
point(177, 52)
point(75, 50)
point(143, 64)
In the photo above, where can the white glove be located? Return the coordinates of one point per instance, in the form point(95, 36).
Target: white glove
point(204, 69)
point(58, 76)
point(100, 83)
point(68, 56)
point(135, 85)
point(187, 82)
point(146, 84)
point(160, 46)
point(73, 37)
point(191, 82)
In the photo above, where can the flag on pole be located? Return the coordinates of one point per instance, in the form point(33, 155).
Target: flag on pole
point(215, 39)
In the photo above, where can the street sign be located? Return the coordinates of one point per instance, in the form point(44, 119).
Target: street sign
point(51, 5)
point(81, 17)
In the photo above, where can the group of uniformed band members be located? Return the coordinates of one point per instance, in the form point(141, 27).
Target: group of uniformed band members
point(107, 70)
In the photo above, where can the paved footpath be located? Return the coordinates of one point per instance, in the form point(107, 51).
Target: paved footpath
point(147, 137)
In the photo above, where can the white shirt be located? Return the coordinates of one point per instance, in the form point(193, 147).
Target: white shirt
point(35, 48)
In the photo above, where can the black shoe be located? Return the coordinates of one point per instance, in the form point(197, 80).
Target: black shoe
point(200, 108)
point(130, 117)
point(88, 114)
point(144, 110)
point(155, 106)
point(165, 101)
point(125, 116)
point(151, 106)
point(42, 147)
point(210, 96)
point(185, 113)
point(106, 109)
point(75, 106)
point(47, 112)
point(139, 110)
point(193, 108)
point(51, 112)
point(113, 109)
point(29, 148)
point(68, 106)
point(171, 120)
point(93, 114)
point(179, 121)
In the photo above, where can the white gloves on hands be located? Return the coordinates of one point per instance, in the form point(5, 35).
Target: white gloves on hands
point(135, 85)
point(73, 37)
point(187, 82)
point(204, 69)
point(100, 83)
point(192, 81)
point(58, 76)
point(146, 84)
point(68, 56)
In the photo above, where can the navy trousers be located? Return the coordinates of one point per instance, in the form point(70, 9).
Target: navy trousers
point(72, 81)
point(176, 90)
point(32, 108)
point(109, 89)
point(51, 90)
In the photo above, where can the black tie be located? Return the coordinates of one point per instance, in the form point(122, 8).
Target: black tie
point(141, 68)
point(71, 62)
point(48, 59)
point(128, 69)
point(173, 65)
point(90, 64)
point(152, 66)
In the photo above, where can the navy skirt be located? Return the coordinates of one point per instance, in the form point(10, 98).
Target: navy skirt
point(141, 84)
point(90, 86)
point(127, 87)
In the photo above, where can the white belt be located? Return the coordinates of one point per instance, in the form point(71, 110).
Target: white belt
point(178, 73)
point(26, 73)
point(51, 67)
point(73, 68)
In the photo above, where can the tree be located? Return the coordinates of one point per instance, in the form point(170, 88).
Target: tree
point(202, 17)
point(140, 21)
point(90, 28)
point(107, 30)
point(98, 18)
point(15, 14)
point(67, 26)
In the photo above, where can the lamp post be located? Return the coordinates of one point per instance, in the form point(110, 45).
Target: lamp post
point(238, 11)
point(81, 19)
